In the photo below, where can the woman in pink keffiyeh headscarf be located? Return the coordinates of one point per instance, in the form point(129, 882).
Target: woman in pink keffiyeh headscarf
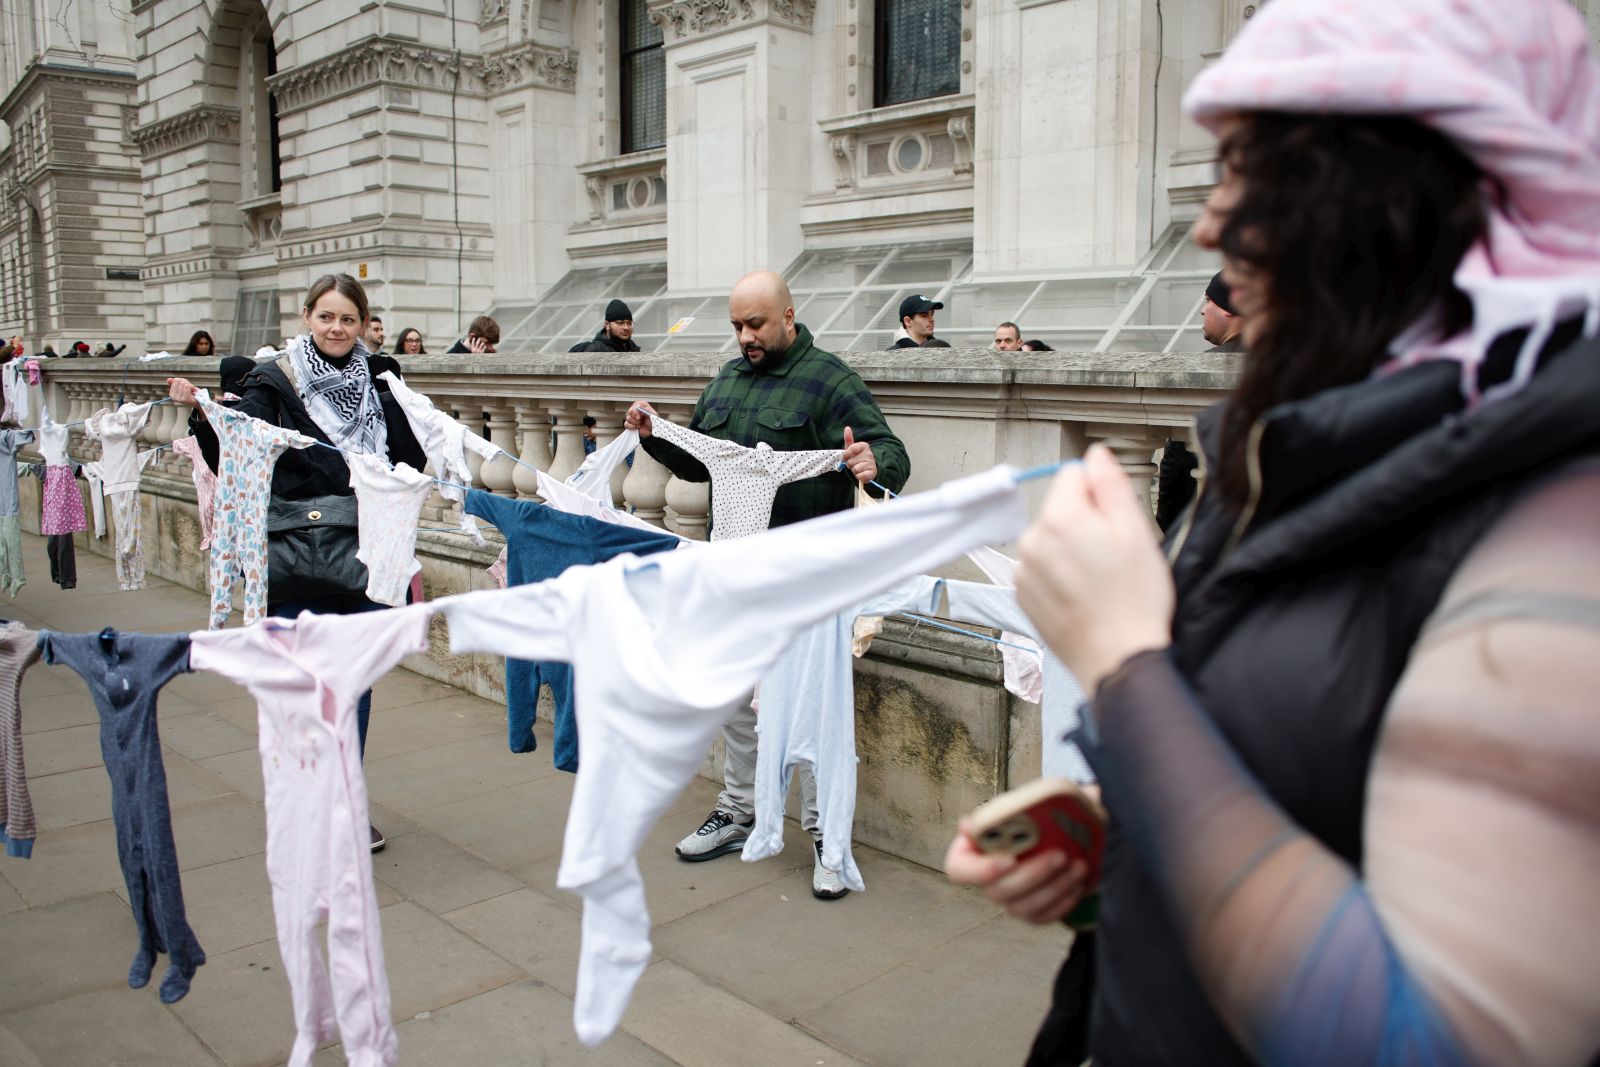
point(1348, 738)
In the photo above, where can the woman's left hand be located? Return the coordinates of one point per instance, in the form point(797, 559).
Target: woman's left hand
point(1092, 576)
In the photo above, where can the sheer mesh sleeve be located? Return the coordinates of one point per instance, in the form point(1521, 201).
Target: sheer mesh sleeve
point(1472, 939)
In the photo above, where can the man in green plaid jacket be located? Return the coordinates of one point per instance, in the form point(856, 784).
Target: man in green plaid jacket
point(788, 393)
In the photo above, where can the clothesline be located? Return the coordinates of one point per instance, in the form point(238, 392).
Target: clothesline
point(919, 620)
point(153, 403)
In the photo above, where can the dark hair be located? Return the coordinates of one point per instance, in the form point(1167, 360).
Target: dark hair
point(486, 328)
point(589, 420)
point(400, 342)
point(194, 341)
point(1356, 225)
point(1014, 327)
point(375, 318)
point(231, 370)
point(342, 284)
point(1037, 346)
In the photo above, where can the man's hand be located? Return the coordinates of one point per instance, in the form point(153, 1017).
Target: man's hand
point(859, 459)
point(478, 345)
point(638, 418)
point(181, 391)
point(1042, 889)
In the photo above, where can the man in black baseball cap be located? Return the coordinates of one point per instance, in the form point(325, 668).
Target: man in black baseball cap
point(616, 335)
point(916, 320)
point(1220, 324)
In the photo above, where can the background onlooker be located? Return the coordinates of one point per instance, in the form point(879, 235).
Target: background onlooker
point(616, 335)
point(200, 344)
point(374, 336)
point(1007, 337)
point(1220, 324)
point(916, 321)
point(410, 343)
point(482, 335)
point(1036, 346)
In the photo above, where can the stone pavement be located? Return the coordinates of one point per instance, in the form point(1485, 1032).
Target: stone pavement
point(750, 970)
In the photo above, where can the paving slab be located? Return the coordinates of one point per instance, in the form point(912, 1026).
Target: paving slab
point(83, 796)
point(428, 724)
point(55, 711)
point(813, 950)
point(69, 748)
point(431, 964)
point(522, 1023)
point(199, 735)
point(426, 868)
point(507, 827)
point(239, 1006)
point(529, 929)
point(66, 863)
point(58, 951)
point(416, 782)
point(992, 1020)
point(126, 1027)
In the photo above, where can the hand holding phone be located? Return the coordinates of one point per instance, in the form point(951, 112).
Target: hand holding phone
point(1048, 814)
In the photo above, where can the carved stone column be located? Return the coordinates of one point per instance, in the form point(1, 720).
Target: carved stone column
point(497, 473)
point(645, 488)
point(1135, 448)
point(569, 440)
point(690, 501)
point(533, 431)
point(469, 413)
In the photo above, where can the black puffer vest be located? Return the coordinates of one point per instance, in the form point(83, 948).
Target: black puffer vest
point(1297, 614)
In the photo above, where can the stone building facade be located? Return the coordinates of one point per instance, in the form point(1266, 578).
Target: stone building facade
point(179, 164)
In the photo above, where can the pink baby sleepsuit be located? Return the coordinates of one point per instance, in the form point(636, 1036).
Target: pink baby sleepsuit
point(306, 675)
point(205, 485)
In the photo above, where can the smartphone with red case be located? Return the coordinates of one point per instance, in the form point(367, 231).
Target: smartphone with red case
point(1051, 813)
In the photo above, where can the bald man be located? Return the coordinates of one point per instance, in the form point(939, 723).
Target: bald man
point(787, 392)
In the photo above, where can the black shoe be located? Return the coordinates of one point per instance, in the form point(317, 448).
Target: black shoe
point(378, 840)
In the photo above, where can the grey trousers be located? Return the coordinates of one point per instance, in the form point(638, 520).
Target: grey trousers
point(739, 772)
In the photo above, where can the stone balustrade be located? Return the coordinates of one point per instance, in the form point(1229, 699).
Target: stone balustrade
point(936, 731)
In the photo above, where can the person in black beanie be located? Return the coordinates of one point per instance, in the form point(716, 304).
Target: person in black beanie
point(1220, 323)
point(615, 336)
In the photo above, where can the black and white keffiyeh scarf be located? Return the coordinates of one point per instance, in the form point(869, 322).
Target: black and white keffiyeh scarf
point(343, 403)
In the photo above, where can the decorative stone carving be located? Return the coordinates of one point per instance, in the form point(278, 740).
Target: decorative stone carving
point(530, 64)
point(595, 186)
point(960, 130)
point(371, 62)
point(196, 126)
point(688, 18)
point(844, 154)
point(799, 12)
point(493, 11)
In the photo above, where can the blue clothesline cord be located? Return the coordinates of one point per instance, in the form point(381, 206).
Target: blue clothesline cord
point(922, 620)
point(153, 403)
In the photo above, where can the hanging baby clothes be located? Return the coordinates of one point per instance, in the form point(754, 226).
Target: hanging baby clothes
point(593, 476)
point(306, 675)
point(22, 399)
point(388, 505)
point(125, 673)
point(11, 575)
point(445, 442)
point(497, 571)
point(541, 543)
point(664, 649)
point(205, 485)
point(1021, 656)
point(117, 431)
point(808, 715)
point(744, 481)
point(62, 509)
point(996, 605)
point(247, 450)
point(563, 497)
point(19, 649)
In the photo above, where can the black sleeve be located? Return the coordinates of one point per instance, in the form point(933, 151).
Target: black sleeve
point(210, 448)
point(683, 466)
point(403, 444)
point(1175, 483)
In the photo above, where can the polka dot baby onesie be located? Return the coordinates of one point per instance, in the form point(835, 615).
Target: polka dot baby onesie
point(744, 481)
point(62, 509)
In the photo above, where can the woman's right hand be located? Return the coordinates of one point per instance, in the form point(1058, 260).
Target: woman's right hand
point(1042, 889)
point(638, 418)
point(181, 391)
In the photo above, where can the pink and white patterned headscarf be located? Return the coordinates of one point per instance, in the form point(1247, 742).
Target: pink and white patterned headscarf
point(1514, 83)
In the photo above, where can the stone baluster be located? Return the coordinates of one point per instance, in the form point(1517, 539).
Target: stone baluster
point(468, 413)
point(569, 440)
point(533, 429)
point(1135, 447)
point(607, 428)
point(690, 501)
point(498, 473)
point(645, 488)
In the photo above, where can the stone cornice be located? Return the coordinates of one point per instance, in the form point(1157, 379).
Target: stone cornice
point(198, 125)
point(530, 64)
point(52, 72)
point(376, 61)
point(683, 19)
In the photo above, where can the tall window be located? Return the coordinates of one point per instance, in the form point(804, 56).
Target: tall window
point(918, 50)
point(644, 80)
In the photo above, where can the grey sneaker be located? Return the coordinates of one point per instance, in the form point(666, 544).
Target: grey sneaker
point(825, 884)
point(719, 835)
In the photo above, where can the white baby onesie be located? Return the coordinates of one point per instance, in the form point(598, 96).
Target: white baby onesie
point(665, 648)
point(1020, 655)
point(307, 675)
point(445, 442)
point(744, 481)
point(996, 605)
point(388, 504)
point(97, 496)
point(593, 476)
point(117, 431)
point(808, 715)
point(563, 497)
point(53, 439)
